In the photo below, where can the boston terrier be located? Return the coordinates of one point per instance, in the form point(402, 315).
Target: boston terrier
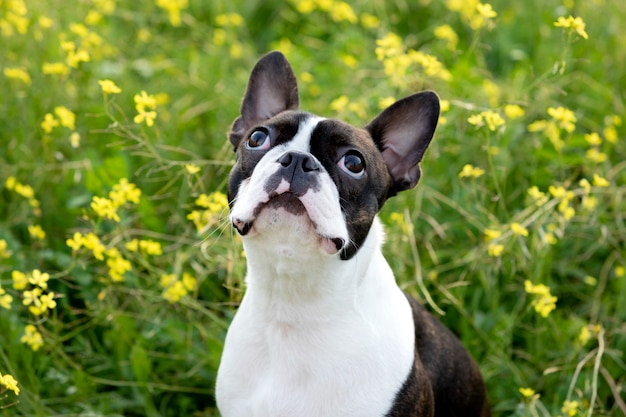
point(323, 329)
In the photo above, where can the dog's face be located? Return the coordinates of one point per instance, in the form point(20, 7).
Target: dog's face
point(320, 179)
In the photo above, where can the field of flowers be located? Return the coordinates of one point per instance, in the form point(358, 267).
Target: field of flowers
point(119, 273)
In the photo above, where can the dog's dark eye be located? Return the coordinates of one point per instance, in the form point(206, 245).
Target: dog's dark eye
point(259, 139)
point(353, 164)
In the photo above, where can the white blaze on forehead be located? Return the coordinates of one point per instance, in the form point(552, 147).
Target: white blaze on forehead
point(302, 140)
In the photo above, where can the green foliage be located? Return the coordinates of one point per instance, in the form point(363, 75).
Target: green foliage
point(119, 273)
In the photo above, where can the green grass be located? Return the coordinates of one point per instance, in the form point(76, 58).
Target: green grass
point(114, 345)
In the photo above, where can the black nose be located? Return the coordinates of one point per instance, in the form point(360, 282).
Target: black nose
point(298, 161)
point(300, 170)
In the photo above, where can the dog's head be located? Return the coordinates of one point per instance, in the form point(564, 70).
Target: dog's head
point(319, 179)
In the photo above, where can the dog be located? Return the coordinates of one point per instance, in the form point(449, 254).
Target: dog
point(323, 329)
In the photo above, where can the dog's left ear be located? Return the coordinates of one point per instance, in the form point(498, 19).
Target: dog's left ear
point(403, 132)
point(272, 88)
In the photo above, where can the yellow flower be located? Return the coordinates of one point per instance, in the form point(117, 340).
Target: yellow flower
point(593, 139)
point(36, 232)
point(539, 196)
point(145, 116)
point(389, 46)
point(133, 245)
point(39, 279)
point(192, 169)
point(569, 408)
point(513, 111)
point(584, 335)
point(574, 23)
point(543, 302)
point(594, 155)
point(167, 280)
point(495, 249)
point(446, 33)
point(565, 117)
point(610, 134)
point(486, 11)
point(150, 247)
point(118, 266)
point(599, 181)
point(75, 242)
point(10, 383)
point(518, 229)
point(32, 337)
point(109, 87)
point(75, 140)
point(173, 8)
point(91, 242)
point(5, 299)
point(339, 104)
point(20, 280)
point(385, 102)
point(527, 392)
point(491, 118)
point(124, 192)
point(370, 21)
point(189, 281)
point(105, 208)
point(470, 171)
point(342, 11)
point(32, 297)
point(4, 253)
point(49, 123)
point(491, 234)
point(19, 74)
point(55, 68)
point(175, 292)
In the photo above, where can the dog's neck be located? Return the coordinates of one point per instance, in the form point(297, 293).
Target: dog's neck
point(289, 277)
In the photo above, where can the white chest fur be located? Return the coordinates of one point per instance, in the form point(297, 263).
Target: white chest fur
point(314, 335)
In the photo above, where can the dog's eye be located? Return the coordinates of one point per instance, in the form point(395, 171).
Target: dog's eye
point(259, 139)
point(353, 164)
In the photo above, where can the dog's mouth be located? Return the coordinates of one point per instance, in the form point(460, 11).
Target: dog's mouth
point(293, 205)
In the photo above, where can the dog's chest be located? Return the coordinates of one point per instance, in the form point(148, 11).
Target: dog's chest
point(318, 358)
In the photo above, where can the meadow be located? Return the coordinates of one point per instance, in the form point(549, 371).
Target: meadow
point(119, 272)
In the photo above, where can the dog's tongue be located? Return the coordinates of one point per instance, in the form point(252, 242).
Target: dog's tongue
point(331, 246)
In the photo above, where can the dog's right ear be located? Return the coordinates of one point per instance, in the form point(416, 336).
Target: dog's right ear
point(272, 88)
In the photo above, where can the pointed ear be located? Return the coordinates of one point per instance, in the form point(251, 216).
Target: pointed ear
point(272, 88)
point(402, 132)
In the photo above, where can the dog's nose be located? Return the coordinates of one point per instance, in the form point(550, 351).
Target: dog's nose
point(299, 161)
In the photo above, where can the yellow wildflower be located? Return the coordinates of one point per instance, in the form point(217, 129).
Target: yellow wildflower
point(5, 299)
point(167, 280)
point(32, 297)
point(150, 247)
point(175, 292)
point(495, 249)
point(192, 169)
point(173, 8)
point(342, 11)
point(36, 232)
point(518, 229)
point(593, 139)
point(573, 23)
point(339, 104)
point(19, 74)
point(4, 252)
point(543, 302)
point(370, 21)
point(105, 208)
point(446, 33)
point(124, 192)
point(569, 408)
point(584, 335)
point(32, 337)
point(145, 116)
point(599, 181)
point(189, 281)
point(10, 383)
point(55, 68)
point(565, 117)
point(92, 242)
point(109, 87)
point(49, 123)
point(39, 279)
point(491, 234)
point(470, 171)
point(594, 155)
point(513, 111)
point(527, 392)
point(539, 196)
point(75, 242)
point(20, 280)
